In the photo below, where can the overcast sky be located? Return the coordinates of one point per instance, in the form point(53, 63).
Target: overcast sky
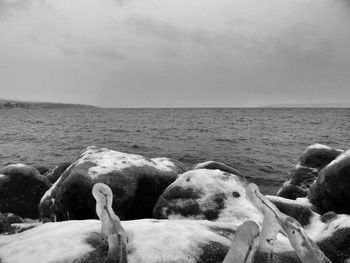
point(166, 53)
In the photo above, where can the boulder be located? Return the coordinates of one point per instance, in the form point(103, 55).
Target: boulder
point(207, 194)
point(54, 173)
point(331, 192)
point(318, 156)
point(136, 183)
point(21, 187)
point(313, 159)
point(149, 241)
point(298, 183)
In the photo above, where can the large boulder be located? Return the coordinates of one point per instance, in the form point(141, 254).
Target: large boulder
point(207, 194)
point(21, 188)
point(318, 156)
point(136, 183)
point(151, 241)
point(331, 192)
point(304, 174)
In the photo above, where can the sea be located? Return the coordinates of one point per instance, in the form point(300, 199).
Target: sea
point(264, 144)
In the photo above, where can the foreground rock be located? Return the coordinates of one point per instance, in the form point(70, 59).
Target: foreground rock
point(152, 241)
point(136, 183)
point(206, 194)
point(331, 190)
point(21, 187)
point(149, 241)
point(311, 162)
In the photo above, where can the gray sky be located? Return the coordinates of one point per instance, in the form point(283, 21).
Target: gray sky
point(165, 53)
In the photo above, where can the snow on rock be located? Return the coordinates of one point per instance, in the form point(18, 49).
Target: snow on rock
point(305, 173)
point(149, 241)
point(207, 194)
point(136, 182)
point(331, 192)
point(21, 187)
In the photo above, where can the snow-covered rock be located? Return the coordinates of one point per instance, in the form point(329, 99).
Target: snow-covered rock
point(149, 241)
point(207, 194)
point(21, 187)
point(136, 183)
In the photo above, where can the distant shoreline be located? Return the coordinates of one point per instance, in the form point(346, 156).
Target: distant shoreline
point(13, 104)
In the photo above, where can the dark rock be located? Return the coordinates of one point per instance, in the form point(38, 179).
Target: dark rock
point(331, 192)
point(329, 216)
point(206, 194)
point(21, 188)
point(136, 183)
point(54, 173)
point(313, 159)
point(318, 156)
point(43, 169)
point(6, 220)
point(298, 211)
point(298, 183)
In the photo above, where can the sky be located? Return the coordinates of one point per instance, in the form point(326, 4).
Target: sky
point(175, 53)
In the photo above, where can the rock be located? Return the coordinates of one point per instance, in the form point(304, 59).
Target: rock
point(43, 169)
point(212, 165)
point(6, 221)
point(299, 209)
point(4, 224)
point(149, 241)
point(313, 159)
point(206, 194)
point(298, 183)
point(54, 173)
point(136, 183)
point(318, 156)
point(331, 192)
point(21, 187)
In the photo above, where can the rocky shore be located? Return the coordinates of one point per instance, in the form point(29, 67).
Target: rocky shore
point(169, 214)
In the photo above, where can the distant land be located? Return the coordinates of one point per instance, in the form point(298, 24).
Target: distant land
point(14, 104)
point(310, 105)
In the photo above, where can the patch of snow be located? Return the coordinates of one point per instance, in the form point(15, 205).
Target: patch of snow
point(201, 165)
point(48, 193)
point(17, 165)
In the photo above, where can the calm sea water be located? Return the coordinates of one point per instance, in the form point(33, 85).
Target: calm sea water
point(263, 144)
